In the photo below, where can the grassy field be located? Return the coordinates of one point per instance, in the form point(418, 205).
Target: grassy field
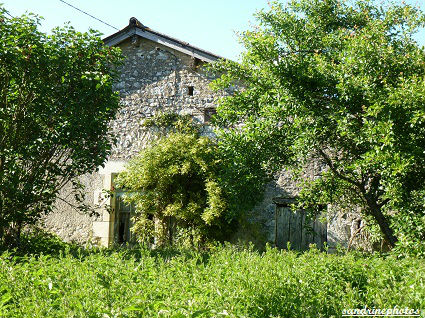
point(225, 282)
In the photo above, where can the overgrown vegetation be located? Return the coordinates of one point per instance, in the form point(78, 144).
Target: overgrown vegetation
point(173, 184)
point(56, 101)
point(187, 187)
point(175, 187)
point(226, 281)
point(340, 83)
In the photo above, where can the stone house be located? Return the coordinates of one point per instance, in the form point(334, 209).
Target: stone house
point(163, 74)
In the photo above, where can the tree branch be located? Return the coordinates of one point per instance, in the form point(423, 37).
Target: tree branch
point(331, 165)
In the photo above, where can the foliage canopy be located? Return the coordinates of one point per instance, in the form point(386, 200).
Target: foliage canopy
point(56, 100)
point(342, 83)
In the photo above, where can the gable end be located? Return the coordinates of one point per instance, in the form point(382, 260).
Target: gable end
point(135, 27)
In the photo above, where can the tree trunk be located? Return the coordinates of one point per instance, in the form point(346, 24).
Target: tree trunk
point(161, 231)
point(2, 223)
point(170, 230)
point(1, 232)
point(18, 233)
point(376, 212)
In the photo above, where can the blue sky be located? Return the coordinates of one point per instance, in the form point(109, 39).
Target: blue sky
point(208, 24)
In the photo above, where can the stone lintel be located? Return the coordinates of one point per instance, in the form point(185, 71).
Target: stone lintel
point(284, 201)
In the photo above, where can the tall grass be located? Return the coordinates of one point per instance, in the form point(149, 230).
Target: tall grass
point(225, 282)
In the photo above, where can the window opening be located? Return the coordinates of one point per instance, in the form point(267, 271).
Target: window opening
point(123, 223)
point(208, 114)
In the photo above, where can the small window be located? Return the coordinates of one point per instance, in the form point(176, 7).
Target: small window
point(195, 63)
point(190, 90)
point(208, 114)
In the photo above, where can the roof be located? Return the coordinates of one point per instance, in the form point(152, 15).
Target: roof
point(135, 27)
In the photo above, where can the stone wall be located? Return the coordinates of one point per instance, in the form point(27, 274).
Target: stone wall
point(65, 220)
point(262, 218)
point(156, 79)
point(342, 224)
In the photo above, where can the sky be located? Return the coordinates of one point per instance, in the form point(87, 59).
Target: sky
point(208, 24)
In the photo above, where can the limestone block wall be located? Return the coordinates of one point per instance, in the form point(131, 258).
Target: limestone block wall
point(156, 79)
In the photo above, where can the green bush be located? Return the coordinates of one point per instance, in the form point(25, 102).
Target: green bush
point(226, 281)
point(174, 186)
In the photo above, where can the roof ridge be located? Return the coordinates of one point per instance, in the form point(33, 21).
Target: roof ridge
point(134, 25)
point(135, 22)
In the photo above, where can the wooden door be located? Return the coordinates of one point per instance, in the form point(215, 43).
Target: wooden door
point(295, 228)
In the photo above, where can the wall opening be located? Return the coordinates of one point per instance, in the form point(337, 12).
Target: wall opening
point(195, 63)
point(123, 222)
point(208, 114)
point(190, 90)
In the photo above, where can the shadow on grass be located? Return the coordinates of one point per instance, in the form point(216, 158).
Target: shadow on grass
point(37, 242)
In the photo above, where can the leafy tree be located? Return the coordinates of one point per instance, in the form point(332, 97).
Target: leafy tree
point(56, 100)
point(341, 83)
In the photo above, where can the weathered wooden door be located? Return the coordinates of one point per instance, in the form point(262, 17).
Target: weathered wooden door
point(293, 227)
